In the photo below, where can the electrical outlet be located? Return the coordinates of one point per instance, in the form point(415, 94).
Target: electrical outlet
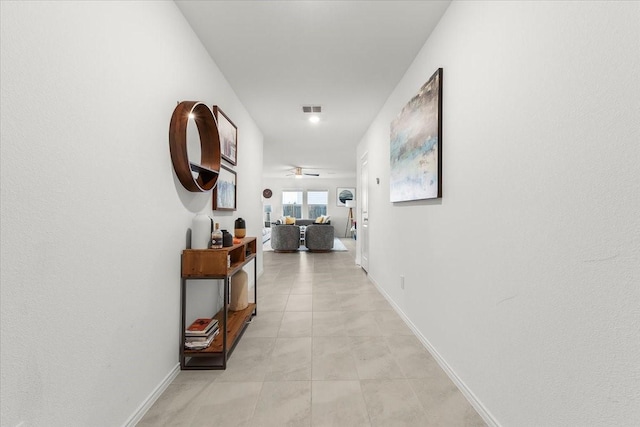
point(402, 282)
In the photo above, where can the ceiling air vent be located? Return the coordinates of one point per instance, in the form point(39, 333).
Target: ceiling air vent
point(311, 109)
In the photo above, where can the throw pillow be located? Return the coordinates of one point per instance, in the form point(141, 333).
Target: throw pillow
point(320, 219)
point(290, 221)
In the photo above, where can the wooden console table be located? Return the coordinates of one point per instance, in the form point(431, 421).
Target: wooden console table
point(219, 264)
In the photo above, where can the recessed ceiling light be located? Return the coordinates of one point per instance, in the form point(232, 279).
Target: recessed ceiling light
point(314, 119)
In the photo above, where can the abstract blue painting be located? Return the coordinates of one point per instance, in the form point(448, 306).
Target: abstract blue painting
point(416, 145)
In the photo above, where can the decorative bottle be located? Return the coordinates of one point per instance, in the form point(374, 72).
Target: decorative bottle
point(216, 237)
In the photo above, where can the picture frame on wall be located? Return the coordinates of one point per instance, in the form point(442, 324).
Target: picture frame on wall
point(416, 145)
point(343, 194)
point(225, 192)
point(228, 136)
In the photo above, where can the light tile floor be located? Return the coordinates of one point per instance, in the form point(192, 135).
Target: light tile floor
point(326, 349)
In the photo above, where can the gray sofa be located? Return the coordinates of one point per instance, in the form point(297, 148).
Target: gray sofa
point(319, 237)
point(285, 238)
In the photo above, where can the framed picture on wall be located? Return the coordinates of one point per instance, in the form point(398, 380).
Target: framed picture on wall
point(416, 145)
point(224, 195)
point(343, 194)
point(228, 136)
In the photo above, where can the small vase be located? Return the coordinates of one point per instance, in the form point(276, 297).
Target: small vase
point(240, 229)
point(227, 239)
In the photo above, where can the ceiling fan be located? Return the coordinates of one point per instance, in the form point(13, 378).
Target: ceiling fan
point(298, 173)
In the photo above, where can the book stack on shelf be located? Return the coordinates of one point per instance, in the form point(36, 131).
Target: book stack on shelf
point(200, 333)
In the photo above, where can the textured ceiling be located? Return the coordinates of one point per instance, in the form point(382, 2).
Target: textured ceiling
point(346, 56)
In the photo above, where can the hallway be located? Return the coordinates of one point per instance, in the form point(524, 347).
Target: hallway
point(326, 349)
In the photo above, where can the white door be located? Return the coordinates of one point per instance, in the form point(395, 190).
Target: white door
point(363, 223)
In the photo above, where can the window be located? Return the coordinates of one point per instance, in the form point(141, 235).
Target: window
point(292, 203)
point(317, 203)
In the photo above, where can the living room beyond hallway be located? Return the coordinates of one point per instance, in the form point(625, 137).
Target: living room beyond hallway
point(326, 349)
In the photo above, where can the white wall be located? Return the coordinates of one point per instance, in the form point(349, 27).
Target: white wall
point(339, 214)
point(525, 276)
point(93, 218)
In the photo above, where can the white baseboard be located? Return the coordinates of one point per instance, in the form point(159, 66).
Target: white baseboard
point(151, 399)
point(471, 397)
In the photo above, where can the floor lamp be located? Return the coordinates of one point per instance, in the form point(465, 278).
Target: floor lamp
point(350, 204)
